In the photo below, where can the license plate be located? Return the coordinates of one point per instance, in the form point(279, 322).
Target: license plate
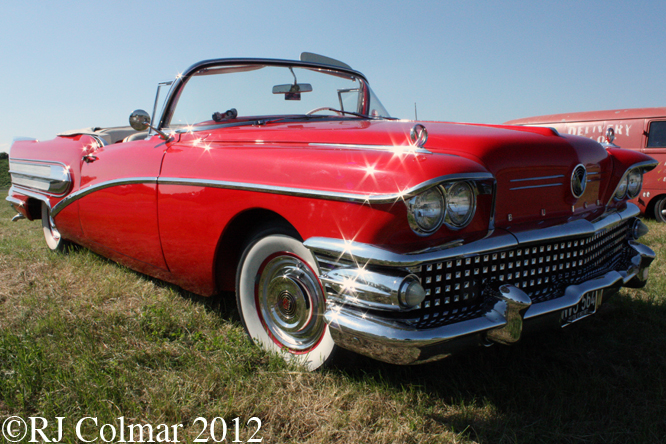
point(587, 306)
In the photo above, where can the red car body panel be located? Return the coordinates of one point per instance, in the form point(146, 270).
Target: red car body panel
point(142, 225)
point(631, 128)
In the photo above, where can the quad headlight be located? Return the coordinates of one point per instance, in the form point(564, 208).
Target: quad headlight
point(460, 203)
point(426, 211)
point(621, 190)
point(634, 183)
point(451, 203)
point(630, 185)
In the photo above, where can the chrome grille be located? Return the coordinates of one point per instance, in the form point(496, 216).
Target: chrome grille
point(455, 288)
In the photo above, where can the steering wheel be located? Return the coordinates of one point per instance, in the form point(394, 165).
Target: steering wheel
point(325, 108)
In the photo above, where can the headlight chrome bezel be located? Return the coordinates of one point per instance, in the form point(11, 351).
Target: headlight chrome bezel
point(621, 189)
point(627, 188)
point(450, 220)
point(444, 219)
point(638, 183)
point(414, 205)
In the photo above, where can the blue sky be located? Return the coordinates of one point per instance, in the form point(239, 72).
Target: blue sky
point(74, 64)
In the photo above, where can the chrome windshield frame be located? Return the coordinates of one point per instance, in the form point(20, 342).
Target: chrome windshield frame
point(182, 79)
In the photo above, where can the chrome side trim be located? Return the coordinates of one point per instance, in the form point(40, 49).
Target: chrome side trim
point(97, 187)
point(328, 195)
point(291, 191)
point(536, 186)
point(527, 179)
point(46, 176)
point(360, 253)
point(559, 176)
point(403, 149)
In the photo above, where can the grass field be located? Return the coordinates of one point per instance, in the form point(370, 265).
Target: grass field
point(81, 336)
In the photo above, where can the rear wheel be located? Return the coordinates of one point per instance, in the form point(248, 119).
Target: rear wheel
point(51, 234)
point(281, 301)
point(659, 209)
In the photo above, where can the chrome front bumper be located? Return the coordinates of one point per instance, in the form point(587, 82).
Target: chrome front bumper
point(361, 327)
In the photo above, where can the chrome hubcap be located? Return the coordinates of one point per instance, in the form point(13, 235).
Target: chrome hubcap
point(290, 302)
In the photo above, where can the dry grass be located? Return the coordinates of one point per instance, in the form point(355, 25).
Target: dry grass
point(82, 336)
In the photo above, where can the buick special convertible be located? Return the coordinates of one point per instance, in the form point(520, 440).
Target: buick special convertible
point(336, 225)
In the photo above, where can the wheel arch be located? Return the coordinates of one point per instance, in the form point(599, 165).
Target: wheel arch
point(234, 237)
point(34, 207)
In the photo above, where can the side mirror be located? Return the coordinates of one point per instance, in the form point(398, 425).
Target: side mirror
point(140, 121)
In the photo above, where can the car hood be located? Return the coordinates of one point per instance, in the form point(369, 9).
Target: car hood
point(533, 166)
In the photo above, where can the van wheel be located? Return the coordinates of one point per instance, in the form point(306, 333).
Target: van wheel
point(281, 301)
point(659, 209)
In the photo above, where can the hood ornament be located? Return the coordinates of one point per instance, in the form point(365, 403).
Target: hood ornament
point(418, 135)
point(578, 180)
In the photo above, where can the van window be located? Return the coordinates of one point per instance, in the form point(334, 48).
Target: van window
point(657, 135)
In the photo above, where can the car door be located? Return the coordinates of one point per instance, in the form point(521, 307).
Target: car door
point(118, 213)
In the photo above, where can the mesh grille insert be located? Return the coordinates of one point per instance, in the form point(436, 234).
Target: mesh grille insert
point(455, 288)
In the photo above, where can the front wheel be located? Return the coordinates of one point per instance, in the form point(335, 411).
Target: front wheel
point(660, 209)
point(281, 301)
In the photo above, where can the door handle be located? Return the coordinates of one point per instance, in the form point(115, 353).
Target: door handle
point(89, 158)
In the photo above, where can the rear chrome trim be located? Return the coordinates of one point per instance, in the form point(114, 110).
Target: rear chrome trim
point(14, 201)
point(44, 176)
point(27, 193)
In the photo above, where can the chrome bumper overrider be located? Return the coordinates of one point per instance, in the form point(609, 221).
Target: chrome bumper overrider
point(381, 333)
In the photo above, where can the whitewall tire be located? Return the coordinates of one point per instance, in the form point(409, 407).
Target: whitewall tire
point(281, 301)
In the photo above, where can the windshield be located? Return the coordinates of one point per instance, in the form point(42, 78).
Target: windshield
point(244, 92)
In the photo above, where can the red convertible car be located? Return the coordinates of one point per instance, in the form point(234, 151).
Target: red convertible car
point(336, 225)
